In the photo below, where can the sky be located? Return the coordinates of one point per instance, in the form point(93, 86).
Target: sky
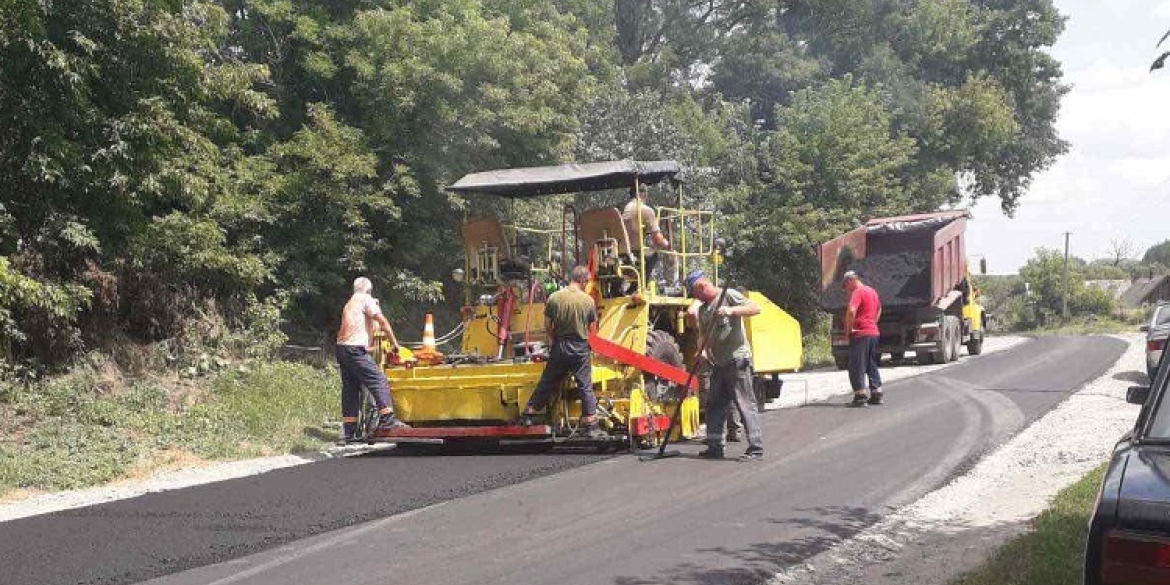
point(1114, 183)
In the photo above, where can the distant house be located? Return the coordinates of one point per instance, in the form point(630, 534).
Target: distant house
point(1115, 288)
point(1146, 290)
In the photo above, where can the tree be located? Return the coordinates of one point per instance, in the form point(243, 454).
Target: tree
point(836, 160)
point(1158, 253)
point(1120, 249)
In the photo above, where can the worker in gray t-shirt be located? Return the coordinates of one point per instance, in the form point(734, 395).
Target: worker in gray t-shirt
point(731, 363)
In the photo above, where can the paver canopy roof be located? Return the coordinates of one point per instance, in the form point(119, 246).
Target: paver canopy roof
point(572, 178)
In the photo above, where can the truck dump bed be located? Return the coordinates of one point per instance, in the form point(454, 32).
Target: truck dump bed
point(912, 261)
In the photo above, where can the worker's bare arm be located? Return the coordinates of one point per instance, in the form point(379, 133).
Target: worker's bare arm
point(850, 316)
point(385, 325)
point(747, 308)
point(660, 241)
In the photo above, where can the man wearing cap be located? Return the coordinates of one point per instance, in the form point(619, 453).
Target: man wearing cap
point(861, 330)
point(721, 323)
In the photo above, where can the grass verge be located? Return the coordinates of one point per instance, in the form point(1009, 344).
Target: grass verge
point(82, 429)
point(1053, 552)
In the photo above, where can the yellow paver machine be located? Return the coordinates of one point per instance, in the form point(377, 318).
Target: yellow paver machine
point(643, 338)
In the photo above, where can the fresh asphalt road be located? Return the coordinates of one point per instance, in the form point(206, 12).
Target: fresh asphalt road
point(566, 519)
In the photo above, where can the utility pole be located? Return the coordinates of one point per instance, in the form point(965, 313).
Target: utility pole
point(1064, 280)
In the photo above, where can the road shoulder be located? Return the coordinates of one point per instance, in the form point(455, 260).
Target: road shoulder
point(956, 528)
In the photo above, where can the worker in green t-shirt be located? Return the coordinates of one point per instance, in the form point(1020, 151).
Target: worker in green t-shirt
point(568, 313)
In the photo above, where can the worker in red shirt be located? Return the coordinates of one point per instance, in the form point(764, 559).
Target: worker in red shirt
point(861, 329)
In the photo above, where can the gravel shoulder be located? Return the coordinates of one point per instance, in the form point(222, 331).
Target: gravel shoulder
point(955, 528)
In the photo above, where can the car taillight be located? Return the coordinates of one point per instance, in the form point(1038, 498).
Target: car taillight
point(1135, 559)
point(1155, 345)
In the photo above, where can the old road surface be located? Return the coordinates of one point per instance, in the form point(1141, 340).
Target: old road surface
point(566, 519)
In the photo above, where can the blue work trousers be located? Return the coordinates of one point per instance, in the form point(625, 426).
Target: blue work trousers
point(358, 369)
point(568, 356)
point(731, 384)
point(863, 363)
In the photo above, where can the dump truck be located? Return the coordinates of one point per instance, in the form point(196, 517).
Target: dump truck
point(643, 339)
point(918, 266)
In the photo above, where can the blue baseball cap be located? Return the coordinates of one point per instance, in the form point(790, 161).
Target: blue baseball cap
point(692, 278)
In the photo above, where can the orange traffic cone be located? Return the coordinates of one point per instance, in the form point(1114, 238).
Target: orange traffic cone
point(429, 354)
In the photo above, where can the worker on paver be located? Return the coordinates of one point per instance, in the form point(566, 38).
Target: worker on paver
point(638, 210)
point(568, 315)
point(354, 344)
point(704, 376)
point(731, 363)
point(861, 330)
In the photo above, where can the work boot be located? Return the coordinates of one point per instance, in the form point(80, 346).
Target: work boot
point(711, 452)
point(859, 399)
point(593, 431)
point(387, 422)
point(752, 454)
point(875, 397)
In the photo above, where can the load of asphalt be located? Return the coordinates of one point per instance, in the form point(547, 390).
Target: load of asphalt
point(901, 279)
point(136, 539)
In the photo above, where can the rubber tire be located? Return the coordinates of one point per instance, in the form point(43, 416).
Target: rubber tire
point(841, 361)
point(957, 339)
point(662, 346)
point(975, 345)
point(950, 339)
point(897, 356)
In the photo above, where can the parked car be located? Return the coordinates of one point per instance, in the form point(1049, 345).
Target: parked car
point(1129, 532)
point(1157, 330)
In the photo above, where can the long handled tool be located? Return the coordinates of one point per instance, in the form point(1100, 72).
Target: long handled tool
point(676, 418)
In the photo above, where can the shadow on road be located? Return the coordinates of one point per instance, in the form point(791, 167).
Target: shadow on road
point(819, 529)
point(1133, 376)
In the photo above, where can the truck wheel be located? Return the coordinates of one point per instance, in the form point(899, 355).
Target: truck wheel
point(951, 339)
point(842, 361)
point(975, 346)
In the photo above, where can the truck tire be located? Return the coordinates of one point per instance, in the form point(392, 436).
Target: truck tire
point(952, 326)
point(975, 345)
point(927, 358)
point(841, 361)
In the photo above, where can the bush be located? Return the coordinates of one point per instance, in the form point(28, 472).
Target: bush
point(92, 426)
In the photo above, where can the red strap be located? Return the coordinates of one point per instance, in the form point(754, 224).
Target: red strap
point(647, 364)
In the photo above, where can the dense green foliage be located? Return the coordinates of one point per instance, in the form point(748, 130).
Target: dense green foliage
point(163, 161)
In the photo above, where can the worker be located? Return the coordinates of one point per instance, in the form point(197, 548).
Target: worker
point(568, 315)
point(653, 240)
point(354, 345)
point(861, 330)
point(704, 375)
point(721, 325)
